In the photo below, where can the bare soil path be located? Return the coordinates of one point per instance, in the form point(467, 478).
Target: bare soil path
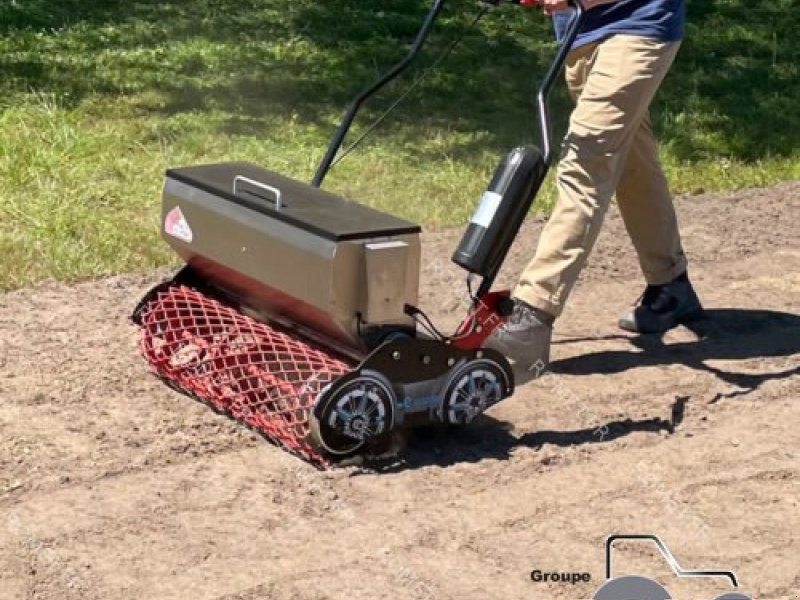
point(113, 486)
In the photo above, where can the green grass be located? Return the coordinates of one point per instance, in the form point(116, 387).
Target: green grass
point(98, 98)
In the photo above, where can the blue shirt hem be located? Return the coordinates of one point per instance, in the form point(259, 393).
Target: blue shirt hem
point(603, 34)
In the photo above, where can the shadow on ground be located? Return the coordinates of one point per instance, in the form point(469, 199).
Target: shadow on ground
point(725, 334)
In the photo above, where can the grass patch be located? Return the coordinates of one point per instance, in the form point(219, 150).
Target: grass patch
point(98, 98)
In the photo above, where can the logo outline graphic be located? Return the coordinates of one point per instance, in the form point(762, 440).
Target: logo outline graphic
point(176, 225)
point(643, 588)
point(668, 556)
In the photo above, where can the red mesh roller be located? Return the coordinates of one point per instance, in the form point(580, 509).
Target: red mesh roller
point(260, 376)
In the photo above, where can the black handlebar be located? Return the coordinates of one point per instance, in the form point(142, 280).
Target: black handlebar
point(546, 86)
point(419, 42)
point(352, 111)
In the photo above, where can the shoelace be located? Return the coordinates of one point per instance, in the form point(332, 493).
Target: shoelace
point(517, 315)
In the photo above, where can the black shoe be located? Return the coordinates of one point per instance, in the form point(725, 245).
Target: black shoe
point(525, 340)
point(663, 307)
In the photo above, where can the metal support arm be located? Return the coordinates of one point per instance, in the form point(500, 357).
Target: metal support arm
point(390, 75)
point(543, 95)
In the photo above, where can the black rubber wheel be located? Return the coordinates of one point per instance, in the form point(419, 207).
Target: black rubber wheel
point(354, 411)
point(470, 390)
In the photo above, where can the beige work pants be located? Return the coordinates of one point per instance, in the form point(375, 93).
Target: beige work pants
point(609, 148)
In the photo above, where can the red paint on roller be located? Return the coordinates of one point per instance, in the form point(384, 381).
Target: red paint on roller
point(258, 375)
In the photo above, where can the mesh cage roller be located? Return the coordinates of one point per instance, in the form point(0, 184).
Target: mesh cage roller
point(258, 375)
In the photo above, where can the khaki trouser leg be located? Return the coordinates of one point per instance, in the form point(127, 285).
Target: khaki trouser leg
point(645, 204)
point(613, 83)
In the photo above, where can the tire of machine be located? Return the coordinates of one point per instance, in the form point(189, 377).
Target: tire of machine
point(463, 400)
point(352, 412)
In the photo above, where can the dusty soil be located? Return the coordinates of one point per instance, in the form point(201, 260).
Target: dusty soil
point(113, 486)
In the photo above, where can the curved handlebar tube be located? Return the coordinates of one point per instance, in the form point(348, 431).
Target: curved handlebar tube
point(390, 75)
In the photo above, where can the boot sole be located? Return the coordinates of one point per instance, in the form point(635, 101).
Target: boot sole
point(689, 317)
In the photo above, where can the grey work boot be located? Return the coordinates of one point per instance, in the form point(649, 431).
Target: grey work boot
point(663, 307)
point(525, 340)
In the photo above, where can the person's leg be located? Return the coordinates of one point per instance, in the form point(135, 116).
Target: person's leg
point(527, 332)
point(613, 83)
point(645, 204)
point(624, 73)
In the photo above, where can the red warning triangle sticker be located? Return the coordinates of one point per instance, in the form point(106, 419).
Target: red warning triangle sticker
point(176, 225)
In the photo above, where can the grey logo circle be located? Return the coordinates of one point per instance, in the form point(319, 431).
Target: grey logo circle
point(632, 587)
point(733, 596)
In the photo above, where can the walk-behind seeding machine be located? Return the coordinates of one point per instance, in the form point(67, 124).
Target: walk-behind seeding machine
point(296, 312)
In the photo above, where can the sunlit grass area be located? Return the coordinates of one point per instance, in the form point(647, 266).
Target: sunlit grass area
point(98, 98)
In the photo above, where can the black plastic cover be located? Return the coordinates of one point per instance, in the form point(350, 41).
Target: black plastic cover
point(503, 208)
point(320, 212)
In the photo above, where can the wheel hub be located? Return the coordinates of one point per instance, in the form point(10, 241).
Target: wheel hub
point(473, 392)
point(354, 413)
point(359, 412)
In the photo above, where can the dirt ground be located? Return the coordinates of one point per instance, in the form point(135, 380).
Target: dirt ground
point(113, 486)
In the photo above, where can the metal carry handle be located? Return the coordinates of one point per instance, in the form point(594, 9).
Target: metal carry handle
point(263, 186)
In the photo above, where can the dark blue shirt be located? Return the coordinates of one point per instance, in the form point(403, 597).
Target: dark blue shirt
point(658, 19)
